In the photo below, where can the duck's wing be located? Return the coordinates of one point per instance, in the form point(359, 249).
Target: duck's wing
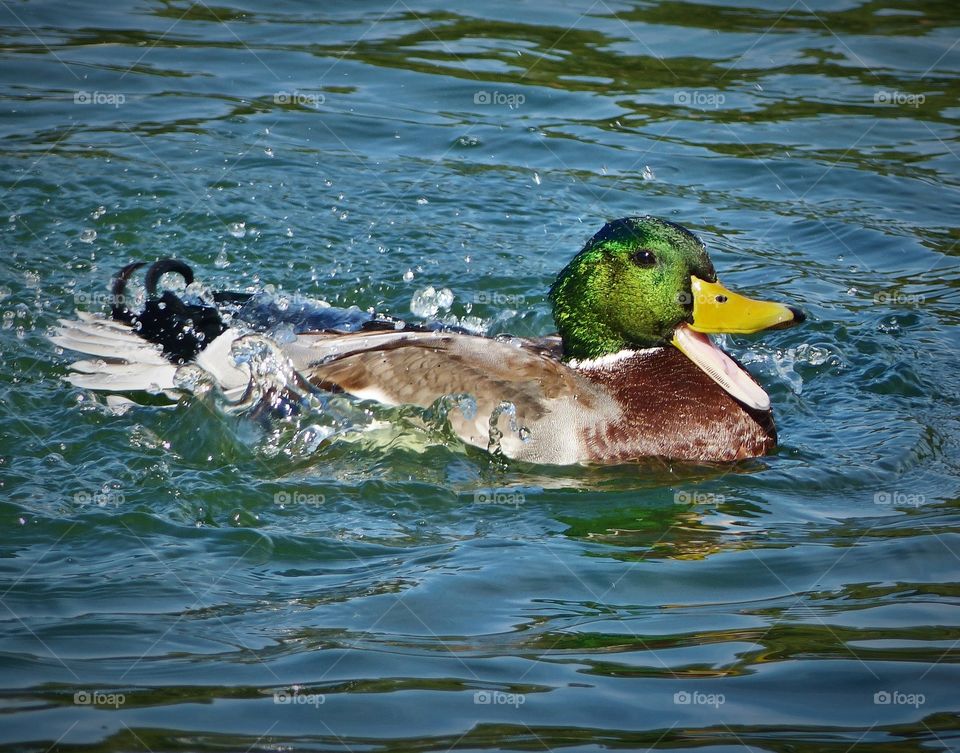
point(517, 394)
point(511, 395)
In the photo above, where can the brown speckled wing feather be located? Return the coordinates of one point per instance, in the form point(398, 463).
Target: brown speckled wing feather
point(417, 368)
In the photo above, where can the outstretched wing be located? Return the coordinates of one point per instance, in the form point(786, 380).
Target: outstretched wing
point(519, 388)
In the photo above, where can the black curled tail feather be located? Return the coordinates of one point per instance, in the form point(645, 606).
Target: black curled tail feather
point(119, 309)
point(159, 268)
point(182, 329)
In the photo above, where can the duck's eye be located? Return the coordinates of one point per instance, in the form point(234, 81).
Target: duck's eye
point(643, 258)
point(721, 299)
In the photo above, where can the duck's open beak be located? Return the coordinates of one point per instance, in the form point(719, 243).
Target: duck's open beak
point(718, 310)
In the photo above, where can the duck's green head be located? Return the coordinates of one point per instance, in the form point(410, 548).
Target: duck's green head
point(626, 288)
point(643, 282)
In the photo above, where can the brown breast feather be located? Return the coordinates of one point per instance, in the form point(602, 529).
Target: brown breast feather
point(673, 409)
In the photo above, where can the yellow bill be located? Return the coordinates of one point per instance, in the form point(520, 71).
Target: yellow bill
point(720, 311)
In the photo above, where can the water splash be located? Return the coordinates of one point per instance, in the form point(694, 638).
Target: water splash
point(783, 363)
point(428, 302)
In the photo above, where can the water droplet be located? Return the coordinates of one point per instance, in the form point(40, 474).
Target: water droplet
point(237, 229)
point(222, 262)
point(536, 178)
point(468, 406)
point(97, 213)
point(647, 173)
point(268, 151)
point(408, 275)
point(88, 236)
point(421, 201)
point(427, 302)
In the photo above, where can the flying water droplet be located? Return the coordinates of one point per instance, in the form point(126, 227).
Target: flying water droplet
point(427, 302)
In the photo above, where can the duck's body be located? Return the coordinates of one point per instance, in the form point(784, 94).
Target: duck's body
point(533, 400)
point(633, 404)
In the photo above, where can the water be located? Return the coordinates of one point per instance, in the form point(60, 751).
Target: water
point(191, 579)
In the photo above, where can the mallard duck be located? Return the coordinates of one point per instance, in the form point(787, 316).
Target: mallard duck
point(630, 374)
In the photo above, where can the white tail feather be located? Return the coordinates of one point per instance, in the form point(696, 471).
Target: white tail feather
point(125, 362)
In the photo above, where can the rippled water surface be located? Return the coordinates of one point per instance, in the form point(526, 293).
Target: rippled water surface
point(156, 595)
